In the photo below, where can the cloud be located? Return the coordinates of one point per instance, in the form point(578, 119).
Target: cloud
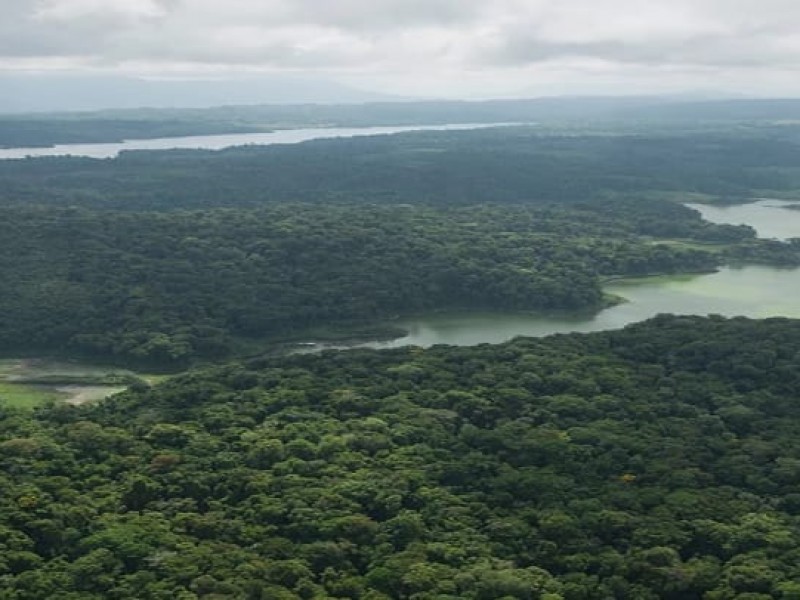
point(72, 10)
point(426, 37)
point(699, 33)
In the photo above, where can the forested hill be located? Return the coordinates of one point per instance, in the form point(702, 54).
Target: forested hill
point(521, 165)
point(165, 289)
point(657, 462)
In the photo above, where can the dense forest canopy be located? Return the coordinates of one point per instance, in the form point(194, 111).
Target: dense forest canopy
point(19, 132)
point(661, 461)
point(163, 258)
point(166, 288)
point(625, 113)
point(500, 165)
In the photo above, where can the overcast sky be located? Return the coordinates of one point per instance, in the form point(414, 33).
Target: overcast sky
point(452, 48)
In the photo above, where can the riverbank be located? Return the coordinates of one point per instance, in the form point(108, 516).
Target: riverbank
point(220, 141)
point(771, 218)
point(29, 382)
point(751, 291)
point(755, 291)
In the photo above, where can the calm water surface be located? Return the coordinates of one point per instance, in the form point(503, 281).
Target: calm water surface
point(770, 218)
point(218, 142)
point(753, 291)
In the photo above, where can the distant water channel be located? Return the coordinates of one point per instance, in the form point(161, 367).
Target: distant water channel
point(770, 218)
point(218, 142)
point(750, 291)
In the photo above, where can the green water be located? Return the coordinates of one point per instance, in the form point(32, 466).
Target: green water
point(770, 218)
point(752, 291)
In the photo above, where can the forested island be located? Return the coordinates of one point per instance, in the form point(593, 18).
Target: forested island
point(657, 461)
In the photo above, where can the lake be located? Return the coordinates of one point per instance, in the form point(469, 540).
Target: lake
point(770, 218)
point(218, 142)
point(752, 291)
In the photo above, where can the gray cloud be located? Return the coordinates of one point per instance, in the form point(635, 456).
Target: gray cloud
point(366, 15)
point(426, 37)
point(708, 51)
point(727, 45)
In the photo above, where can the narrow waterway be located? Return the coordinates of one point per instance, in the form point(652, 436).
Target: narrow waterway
point(752, 291)
point(769, 217)
point(218, 142)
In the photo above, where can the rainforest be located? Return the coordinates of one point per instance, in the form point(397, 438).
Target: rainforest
point(228, 454)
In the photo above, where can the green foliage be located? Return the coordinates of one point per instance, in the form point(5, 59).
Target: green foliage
point(104, 259)
point(163, 289)
point(504, 165)
point(46, 131)
point(660, 461)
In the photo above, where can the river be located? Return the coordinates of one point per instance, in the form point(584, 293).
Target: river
point(218, 142)
point(751, 291)
point(770, 218)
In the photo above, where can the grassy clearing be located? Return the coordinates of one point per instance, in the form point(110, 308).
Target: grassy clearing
point(85, 394)
point(20, 395)
point(8, 366)
point(26, 383)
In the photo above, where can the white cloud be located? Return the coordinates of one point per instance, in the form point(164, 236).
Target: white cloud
point(68, 10)
point(521, 43)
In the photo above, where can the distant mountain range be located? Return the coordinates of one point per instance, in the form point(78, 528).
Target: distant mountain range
point(64, 111)
point(26, 93)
